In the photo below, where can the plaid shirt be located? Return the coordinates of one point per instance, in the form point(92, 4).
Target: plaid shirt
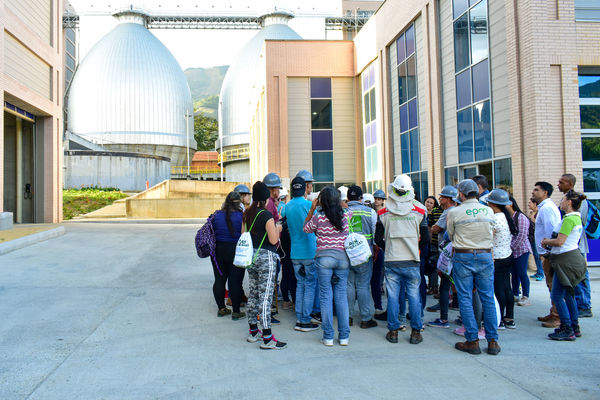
point(520, 243)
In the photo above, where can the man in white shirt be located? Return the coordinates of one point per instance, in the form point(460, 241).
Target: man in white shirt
point(548, 218)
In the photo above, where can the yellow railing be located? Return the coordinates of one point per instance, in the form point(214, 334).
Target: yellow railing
point(183, 170)
point(234, 154)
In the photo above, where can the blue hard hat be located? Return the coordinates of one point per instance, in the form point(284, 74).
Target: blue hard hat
point(500, 197)
point(449, 191)
point(272, 180)
point(379, 194)
point(242, 189)
point(307, 176)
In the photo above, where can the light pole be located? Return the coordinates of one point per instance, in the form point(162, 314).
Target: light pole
point(187, 142)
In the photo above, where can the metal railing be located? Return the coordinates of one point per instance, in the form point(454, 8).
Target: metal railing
point(183, 170)
point(234, 154)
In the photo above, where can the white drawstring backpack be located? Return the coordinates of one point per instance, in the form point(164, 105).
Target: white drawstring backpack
point(244, 250)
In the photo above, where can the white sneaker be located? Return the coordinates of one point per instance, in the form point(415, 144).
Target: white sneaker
point(253, 338)
point(344, 342)
point(524, 302)
point(327, 342)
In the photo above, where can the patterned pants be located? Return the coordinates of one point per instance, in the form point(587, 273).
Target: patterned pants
point(261, 284)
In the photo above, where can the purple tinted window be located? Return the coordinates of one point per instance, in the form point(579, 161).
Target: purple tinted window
point(481, 81)
point(365, 80)
point(412, 114)
point(414, 150)
point(367, 134)
point(401, 49)
point(465, 136)
point(404, 118)
point(482, 131)
point(410, 40)
point(371, 138)
point(320, 87)
point(374, 133)
point(371, 75)
point(463, 89)
point(322, 140)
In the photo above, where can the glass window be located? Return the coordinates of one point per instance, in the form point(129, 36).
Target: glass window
point(451, 176)
point(503, 174)
point(469, 172)
point(68, 74)
point(410, 40)
point(587, 10)
point(461, 43)
point(589, 86)
point(590, 148)
point(372, 75)
point(414, 150)
point(479, 37)
point(412, 114)
point(404, 118)
point(460, 6)
point(463, 89)
point(402, 83)
point(70, 62)
point(482, 131)
point(322, 164)
point(320, 87)
point(70, 34)
point(411, 77)
point(322, 140)
point(367, 111)
point(424, 186)
point(465, 136)
point(365, 80)
point(590, 116)
point(70, 48)
point(372, 106)
point(405, 150)
point(591, 179)
point(481, 81)
point(321, 114)
point(374, 132)
point(401, 49)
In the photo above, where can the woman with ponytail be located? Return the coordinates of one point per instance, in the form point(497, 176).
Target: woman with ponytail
point(504, 230)
point(330, 225)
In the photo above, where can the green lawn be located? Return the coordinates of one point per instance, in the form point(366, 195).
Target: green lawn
point(85, 200)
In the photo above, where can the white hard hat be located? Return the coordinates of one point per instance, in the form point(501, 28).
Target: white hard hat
point(403, 182)
point(368, 198)
point(283, 192)
point(344, 193)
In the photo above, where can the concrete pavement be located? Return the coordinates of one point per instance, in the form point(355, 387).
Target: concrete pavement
point(125, 311)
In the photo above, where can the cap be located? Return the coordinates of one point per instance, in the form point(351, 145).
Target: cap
point(354, 192)
point(298, 187)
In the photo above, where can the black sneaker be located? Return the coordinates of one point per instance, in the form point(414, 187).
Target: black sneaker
point(564, 333)
point(275, 320)
point(381, 316)
point(306, 327)
point(316, 317)
point(510, 324)
point(576, 330)
point(368, 324)
point(434, 308)
point(587, 313)
point(273, 344)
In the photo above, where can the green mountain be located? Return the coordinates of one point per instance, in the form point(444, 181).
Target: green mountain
point(205, 85)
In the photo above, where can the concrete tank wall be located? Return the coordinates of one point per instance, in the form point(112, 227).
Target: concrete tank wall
point(125, 171)
point(237, 171)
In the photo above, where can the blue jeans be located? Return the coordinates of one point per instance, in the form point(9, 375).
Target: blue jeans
point(377, 280)
point(583, 294)
point(565, 303)
point(333, 271)
point(359, 279)
point(538, 261)
point(305, 289)
point(395, 277)
point(478, 268)
point(519, 275)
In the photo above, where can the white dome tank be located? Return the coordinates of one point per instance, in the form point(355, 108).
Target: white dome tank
point(130, 94)
point(236, 91)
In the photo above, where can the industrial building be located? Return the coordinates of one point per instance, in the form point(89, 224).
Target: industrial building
point(31, 90)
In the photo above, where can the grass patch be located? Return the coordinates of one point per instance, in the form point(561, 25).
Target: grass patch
point(86, 200)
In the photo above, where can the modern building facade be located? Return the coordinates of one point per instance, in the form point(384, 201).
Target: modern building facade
point(31, 90)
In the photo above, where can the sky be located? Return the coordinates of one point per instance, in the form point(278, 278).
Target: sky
point(206, 48)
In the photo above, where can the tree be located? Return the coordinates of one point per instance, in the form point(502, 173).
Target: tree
point(206, 131)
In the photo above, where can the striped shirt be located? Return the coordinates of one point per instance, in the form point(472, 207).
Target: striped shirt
point(328, 237)
point(520, 243)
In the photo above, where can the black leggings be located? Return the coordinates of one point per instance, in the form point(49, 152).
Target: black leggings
point(502, 287)
point(225, 252)
point(288, 280)
point(444, 297)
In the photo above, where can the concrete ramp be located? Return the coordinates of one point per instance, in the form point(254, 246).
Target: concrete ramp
point(179, 199)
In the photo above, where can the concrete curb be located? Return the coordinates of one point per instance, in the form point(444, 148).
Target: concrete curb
point(28, 240)
point(191, 221)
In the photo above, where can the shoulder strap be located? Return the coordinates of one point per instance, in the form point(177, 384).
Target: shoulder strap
point(256, 216)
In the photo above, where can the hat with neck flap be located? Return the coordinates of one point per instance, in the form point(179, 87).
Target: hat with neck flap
point(401, 195)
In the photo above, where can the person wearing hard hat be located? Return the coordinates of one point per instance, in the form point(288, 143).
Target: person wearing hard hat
point(283, 194)
point(401, 221)
point(273, 182)
point(245, 193)
point(368, 199)
point(343, 195)
point(378, 259)
point(447, 202)
point(308, 180)
point(363, 221)
point(470, 227)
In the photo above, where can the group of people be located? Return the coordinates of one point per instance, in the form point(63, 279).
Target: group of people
point(484, 234)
